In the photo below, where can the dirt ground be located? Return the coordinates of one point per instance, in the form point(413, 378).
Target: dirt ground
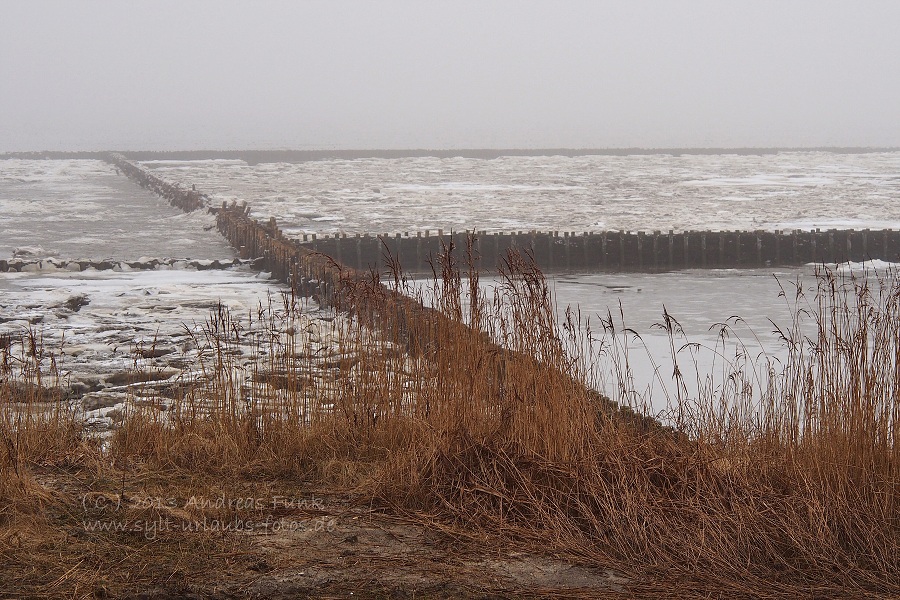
point(153, 537)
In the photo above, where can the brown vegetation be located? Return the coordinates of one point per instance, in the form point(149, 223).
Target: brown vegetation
point(478, 420)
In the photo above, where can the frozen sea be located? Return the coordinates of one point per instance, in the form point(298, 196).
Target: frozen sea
point(83, 208)
point(789, 190)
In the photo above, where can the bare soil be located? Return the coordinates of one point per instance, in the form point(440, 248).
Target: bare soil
point(184, 538)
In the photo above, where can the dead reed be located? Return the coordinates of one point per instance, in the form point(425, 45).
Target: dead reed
point(477, 410)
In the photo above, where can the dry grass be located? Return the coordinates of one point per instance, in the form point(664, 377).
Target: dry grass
point(478, 416)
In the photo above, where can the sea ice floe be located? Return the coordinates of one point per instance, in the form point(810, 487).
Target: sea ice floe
point(632, 193)
point(77, 208)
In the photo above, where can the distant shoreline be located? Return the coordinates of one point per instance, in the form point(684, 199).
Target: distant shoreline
point(260, 156)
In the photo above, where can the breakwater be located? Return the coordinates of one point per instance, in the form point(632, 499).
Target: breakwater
point(306, 270)
point(401, 319)
point(618, 250)
point(25, 265)
point(180, 197)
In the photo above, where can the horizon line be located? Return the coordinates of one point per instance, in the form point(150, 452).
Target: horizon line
point(324, 153)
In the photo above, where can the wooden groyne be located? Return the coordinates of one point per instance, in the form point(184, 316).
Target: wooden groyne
point(305, 269)
point(619, 250)
point(185, 199)
point(401, 319)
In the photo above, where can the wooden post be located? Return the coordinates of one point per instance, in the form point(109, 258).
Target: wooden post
point(603, 248)
point(640, 249)
point(419, 265)
point(550, 242)
point(759, 260)
point(477, 257)
point(586, 258)
point(777, 246)
point(379, 249)
point(721, 236)
point(656, 250)
point(703, 249)
point(671, 249)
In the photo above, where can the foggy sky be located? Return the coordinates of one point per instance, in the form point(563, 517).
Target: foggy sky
point(426, 74)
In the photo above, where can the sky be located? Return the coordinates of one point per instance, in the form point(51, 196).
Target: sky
point(162, 74)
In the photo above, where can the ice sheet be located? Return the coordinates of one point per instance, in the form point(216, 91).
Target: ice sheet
point(790, 190)
point(115, 311)
point(83, 209)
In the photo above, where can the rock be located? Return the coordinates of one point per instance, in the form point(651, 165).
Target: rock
point(84, 387)
point(203, 265)
point(116, 415)
point(143, 265)
point(25, 251)
point(154, 352)
point(74, 303)
point(284, 380)
point(130, 377)
point(98, 400)
point(344, 363)
point(151, 402)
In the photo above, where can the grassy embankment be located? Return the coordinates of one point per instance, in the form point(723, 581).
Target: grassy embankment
point(778, 488)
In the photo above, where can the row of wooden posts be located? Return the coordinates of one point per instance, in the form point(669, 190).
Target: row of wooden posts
point(619, 250)
point(311, 272)
point(307, 270)
point(185, 199)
